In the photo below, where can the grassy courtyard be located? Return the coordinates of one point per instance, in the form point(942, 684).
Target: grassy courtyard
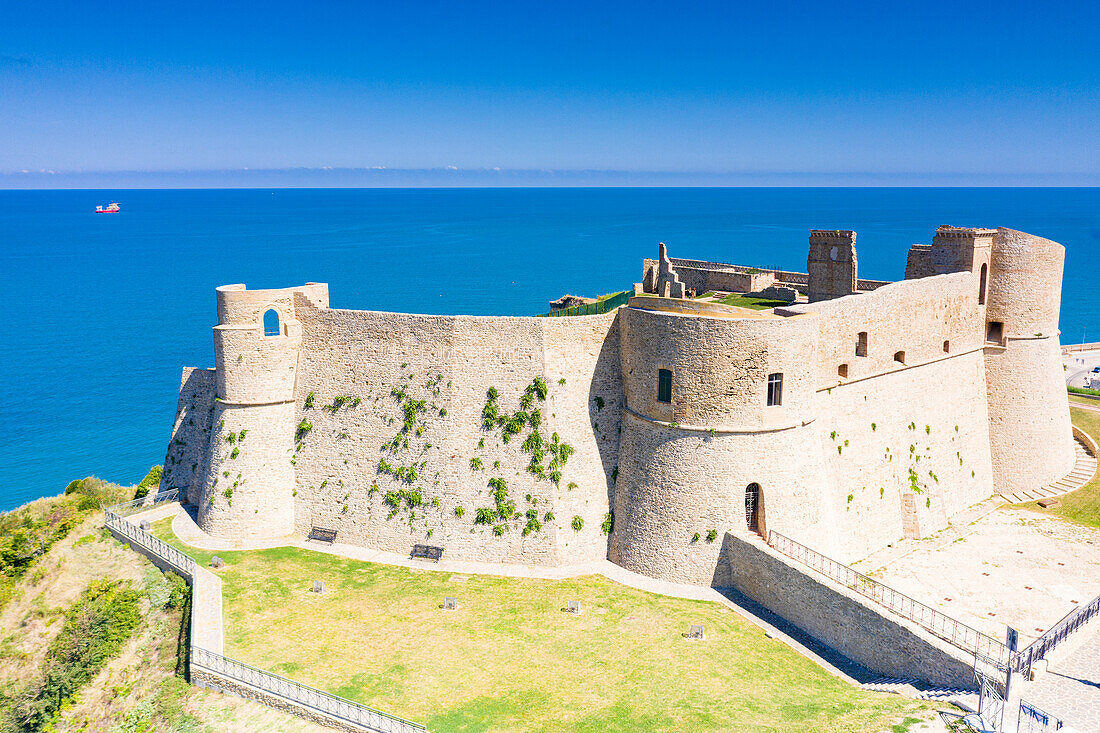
point(510, 659)
point(1081, 506)
point(754, 303)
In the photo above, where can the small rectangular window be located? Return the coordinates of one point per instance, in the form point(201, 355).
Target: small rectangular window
point(664, 385)
point(899, 357)
point(995, 332)
point(842, 371)
point(775, 389)
point(861, 344)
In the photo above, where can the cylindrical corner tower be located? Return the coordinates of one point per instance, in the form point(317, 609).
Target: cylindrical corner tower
point(249, 487)
point(717, 434)
point(1030, 436)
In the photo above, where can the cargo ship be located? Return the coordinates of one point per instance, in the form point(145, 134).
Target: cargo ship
point(111, 208)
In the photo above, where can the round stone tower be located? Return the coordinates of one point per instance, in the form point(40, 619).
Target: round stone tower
point(1029, 428)
point(249, 487)
point(717, 434)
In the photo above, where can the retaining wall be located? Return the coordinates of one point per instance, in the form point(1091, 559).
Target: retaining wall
point(840, 618)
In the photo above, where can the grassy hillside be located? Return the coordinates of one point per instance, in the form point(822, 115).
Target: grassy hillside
point(90, 631)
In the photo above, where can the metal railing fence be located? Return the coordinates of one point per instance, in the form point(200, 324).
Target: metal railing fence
point(304, 695)
point(593, 309)
point(1033, 720)
point(1055, 635)
point(936, 622)
point(285, 689)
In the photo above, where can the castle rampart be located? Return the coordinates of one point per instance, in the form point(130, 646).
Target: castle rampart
point(875, 411)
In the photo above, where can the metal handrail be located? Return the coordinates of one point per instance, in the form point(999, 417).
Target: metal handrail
point(936, 622)
point(293, 692)
point(1055, 635)
point(311, 697)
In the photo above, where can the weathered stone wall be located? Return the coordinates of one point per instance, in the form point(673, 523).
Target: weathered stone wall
point(1030, 432)
point(249, 482)
point(729, 279)
point(831, 265)
point(188, 449)
point(841, 618)
point(451, 362)
point(677, 478)
point(921, 431)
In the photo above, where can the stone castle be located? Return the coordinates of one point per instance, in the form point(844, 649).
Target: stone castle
point(860, 413)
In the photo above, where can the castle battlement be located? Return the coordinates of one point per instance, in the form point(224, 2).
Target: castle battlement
point(862, 412)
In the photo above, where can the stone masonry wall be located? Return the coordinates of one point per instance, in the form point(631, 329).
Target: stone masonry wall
point(841, 618)
point(383, 363)
point(188, 449)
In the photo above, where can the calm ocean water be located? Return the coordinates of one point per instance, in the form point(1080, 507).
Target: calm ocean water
point(101, 312)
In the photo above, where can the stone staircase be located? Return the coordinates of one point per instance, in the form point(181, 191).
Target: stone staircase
point(914, 689)
point(1084, 468)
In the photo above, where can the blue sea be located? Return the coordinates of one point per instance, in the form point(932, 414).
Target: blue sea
point(101, 312)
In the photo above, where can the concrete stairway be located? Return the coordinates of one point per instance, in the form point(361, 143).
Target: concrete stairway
point(1084, 468)
point(965, 699)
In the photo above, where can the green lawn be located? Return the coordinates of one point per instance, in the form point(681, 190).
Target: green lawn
point(1081, 506)
point(510, 659)
point(747, 301)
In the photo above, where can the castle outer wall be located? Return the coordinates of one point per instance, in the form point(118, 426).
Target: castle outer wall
point(518, 439)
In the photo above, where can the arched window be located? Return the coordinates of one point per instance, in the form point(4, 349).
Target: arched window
point(754, 508)
point(272, 327)
point(981, 285)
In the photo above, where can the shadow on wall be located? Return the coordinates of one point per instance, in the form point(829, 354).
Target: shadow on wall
point(608, 365)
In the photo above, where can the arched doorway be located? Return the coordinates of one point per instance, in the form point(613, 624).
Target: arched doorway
point(754, 509)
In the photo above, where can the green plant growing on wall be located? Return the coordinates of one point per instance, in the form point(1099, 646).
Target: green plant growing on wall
point(236, 452)
point(498, 530)
point(572, 485)
point(533, 523)
point(695, 538)
point(548, 517)
point(303, 430)
point(562, 381)
point(241, 435)
point(712, 535)
point(615, 475)
point(460, 511)
point(309, 400)
point(484, 515)
point(927, 429)
point(874, 427)
point(231, 438)
point(578, 523)
point(599, 403)
point(832, 435)
point(881, 492)
point(608, 523)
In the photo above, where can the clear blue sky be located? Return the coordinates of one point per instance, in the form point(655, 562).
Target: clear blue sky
point(996, 89)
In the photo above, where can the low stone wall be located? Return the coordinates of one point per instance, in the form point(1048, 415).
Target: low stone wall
point(839, 617)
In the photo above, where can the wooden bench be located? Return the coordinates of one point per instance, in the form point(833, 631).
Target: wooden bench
point(322, 535)
point(426, 552)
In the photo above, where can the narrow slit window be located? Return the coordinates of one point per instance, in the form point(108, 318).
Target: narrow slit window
point(775, 390)
point(981, 285)
point(899, 357)
point(664, 385)
point(947, 347)
point(861, 344)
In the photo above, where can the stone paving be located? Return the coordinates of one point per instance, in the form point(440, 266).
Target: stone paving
point(1070, 689)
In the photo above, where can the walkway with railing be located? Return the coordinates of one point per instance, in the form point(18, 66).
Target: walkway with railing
point(935, 622)
point(591, 309)
point(213, 668)
point(1055, 635)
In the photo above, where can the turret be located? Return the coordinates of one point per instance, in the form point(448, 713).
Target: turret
point(1029, 427)
point(249, 486)
point(831, 264)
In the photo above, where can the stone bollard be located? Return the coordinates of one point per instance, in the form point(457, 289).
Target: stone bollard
point(318, 586)
point(216, 562)
point(144, 524)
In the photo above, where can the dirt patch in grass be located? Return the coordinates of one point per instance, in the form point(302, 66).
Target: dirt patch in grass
point(510, 659)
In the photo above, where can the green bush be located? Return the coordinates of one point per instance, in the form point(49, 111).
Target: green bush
point(608, 523)
point(96, 626)
point(151, 480)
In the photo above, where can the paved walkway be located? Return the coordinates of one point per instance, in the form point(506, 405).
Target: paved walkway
point(1070, 689)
